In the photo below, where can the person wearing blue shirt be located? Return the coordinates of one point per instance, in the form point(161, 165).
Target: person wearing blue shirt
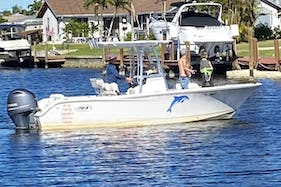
point(112, 75)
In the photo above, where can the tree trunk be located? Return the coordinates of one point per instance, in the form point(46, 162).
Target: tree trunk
point(111, 24)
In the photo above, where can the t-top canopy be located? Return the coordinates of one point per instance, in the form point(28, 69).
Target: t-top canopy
point(132, 44)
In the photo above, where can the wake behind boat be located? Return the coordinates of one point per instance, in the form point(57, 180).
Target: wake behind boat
point(150, 102)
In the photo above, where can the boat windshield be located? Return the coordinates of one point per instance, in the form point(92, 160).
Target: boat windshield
point(212, 9)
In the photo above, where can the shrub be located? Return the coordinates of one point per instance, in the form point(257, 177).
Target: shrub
point(263, 32)
point(276, 33)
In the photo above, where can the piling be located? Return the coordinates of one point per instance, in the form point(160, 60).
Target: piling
point(255, 52)
point(172, 51)
point(188, 57)
point(122, 57)
point(276, 54)
point(46, 55)
point(250, 40)
point(35, 54)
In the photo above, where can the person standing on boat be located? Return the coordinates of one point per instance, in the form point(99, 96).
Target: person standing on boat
point(185, 72)
point(206, 68)
point(112, 75)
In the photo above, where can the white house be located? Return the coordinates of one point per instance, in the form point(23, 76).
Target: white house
point(270, 11)
point(57, 13)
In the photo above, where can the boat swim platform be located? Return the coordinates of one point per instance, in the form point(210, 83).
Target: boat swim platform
point(244, 74)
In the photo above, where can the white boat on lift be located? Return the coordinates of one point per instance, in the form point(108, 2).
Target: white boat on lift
point(201, 25)
point(150, 102)
point(16, 53)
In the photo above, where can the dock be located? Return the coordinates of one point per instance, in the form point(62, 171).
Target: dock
point(50, 61)
point(46, 60)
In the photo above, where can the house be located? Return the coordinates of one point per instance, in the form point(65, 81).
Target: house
point(28, 27)
point(56, 14)
point(270, 14)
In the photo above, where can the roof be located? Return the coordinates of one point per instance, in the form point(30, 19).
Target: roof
point(17, 17)
point(76, 7)
point(272, 4)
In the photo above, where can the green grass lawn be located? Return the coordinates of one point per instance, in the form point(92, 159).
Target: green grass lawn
point(265, 49)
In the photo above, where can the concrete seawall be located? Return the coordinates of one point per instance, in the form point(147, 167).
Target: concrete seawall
point(83, 62)
point(258, 74)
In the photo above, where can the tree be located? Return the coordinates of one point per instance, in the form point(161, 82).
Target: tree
point(2, 20)
point(97, 5)
point(100, 5)
point(33, 8)
point(116, 4)
point(77, 28)
point(241, 12)
point(6, 13)
point(16, 9)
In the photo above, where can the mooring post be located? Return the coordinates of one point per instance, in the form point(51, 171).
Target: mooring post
point(103, 55)
point(276, 54)
point(163, 50)
point(250, 40)
point(172, 51)
point(121, 57)
point(35, 54)
point(235, 64)
point(187, 52)
point(255, 52)
point(46, 55)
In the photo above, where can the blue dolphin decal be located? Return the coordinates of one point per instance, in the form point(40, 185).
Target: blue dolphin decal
point(177, 99)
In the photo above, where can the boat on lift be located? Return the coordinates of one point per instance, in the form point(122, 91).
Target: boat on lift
point(16, 53)
point(152, 101)
point(201, 25)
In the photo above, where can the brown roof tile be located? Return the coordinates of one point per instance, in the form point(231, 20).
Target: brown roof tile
point(75, 7)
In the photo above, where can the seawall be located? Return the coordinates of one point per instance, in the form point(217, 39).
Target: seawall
point(83, 62)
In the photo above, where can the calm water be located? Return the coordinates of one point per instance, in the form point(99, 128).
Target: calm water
point(245, 151)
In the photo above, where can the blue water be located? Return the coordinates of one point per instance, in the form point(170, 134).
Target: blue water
point(245, 151)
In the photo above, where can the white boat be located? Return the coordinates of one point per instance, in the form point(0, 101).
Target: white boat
point(151, 102)
point(201, 25)
point(16, 53)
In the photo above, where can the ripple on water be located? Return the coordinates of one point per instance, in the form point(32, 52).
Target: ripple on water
point(244, 151)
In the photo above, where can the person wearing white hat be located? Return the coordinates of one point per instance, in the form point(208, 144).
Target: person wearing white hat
point(111, 73)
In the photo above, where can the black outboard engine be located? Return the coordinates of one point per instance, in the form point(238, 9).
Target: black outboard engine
point(21, 106)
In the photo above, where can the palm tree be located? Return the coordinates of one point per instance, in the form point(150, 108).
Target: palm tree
point(33, 8)
point(103, 4)
point(16, 9)
point(242, 12)
point(97, 5)
point(117, 4)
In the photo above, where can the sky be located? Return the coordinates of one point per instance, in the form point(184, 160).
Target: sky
point(8, 4)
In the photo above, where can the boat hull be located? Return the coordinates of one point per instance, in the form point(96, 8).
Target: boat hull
point(174, 106)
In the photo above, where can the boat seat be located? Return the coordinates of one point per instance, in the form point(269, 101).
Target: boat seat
point(103, 88)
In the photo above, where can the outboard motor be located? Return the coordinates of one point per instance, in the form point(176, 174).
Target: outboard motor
point(21, 106)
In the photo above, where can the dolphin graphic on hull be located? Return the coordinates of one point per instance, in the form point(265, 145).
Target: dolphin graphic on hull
point(177, 99)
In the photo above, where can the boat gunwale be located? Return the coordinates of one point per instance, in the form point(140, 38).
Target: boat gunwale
point(129, 97)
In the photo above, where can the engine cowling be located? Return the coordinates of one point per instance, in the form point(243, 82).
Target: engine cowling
point(21, 106)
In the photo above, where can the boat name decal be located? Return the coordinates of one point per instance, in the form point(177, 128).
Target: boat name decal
point(176, 100)
point(84, 108)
